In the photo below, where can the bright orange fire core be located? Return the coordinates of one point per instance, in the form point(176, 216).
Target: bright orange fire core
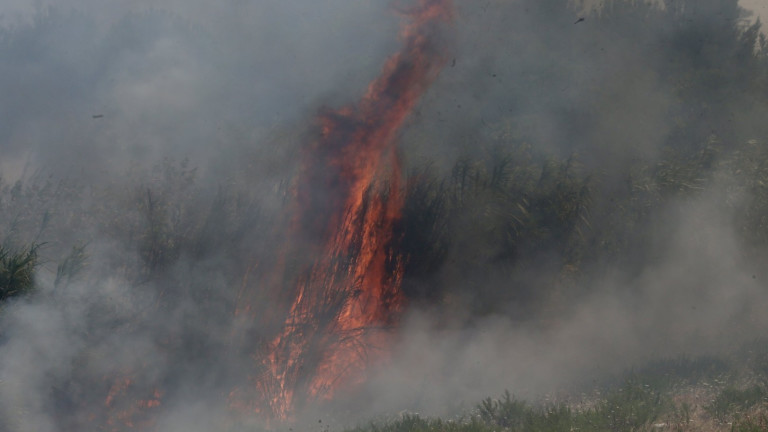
point(347, 292)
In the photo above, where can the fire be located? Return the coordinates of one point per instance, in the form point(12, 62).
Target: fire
point(347, 292)
point(340, 271)
point(122, 410)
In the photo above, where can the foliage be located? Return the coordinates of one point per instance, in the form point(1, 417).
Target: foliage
point(17, 272)
point(630, 407)
point(505, 227)
point(495, 216)
point(424, 239)
point(506, 412)
point(671, 373)
point(70, 266)
point(756, 423)
point(732, 401)
point(415, 423)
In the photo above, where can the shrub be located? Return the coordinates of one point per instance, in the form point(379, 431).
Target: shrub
point(17, 271)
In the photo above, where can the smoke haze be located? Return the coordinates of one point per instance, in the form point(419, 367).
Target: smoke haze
point(153, 146)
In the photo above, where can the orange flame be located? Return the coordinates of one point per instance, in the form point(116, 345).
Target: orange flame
point(347, 295)
point(348, 201)
point(122, 410)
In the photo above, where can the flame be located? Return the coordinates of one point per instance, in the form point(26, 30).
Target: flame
point(347, 292)
point(347, 295)
point(123, 410)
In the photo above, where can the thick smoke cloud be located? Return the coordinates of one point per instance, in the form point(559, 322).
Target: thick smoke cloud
point(606, 90)
point(701, 296)
point(96, 95)
point(174, 78)
point(162, 137)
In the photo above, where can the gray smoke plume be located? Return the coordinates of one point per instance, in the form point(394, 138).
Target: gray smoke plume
point(149, 149)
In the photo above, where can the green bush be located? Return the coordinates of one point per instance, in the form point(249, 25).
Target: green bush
point(633, 406)
point(732, 401)
point(17, 272)
point(415, 423)
point(506, 412)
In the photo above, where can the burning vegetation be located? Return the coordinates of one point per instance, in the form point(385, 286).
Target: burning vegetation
point(342, 268)
point(603, 187)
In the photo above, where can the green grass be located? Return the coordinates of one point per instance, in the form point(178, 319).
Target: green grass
point(731, 402)
point(415, 423)
point(631, 407)
point(758, 423)
point(670, 373)
point(656, 397)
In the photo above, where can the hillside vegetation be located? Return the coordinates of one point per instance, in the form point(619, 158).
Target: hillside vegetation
point(556, 160)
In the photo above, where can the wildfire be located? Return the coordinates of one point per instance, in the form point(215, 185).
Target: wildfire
point(346, 291)
point(340, 271)
point(123, 410)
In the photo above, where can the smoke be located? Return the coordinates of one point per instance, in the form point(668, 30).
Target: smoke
point(700, 296)
point(161, 138)
point(173, 79)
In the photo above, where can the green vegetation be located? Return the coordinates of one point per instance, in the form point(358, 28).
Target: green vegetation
point(589, 136)
point(536, 213)
point(70, 266)
point(641, 402)
point(17, 272)
point(512, 211)
point(732, 401)
point(632, 407)
point(757, 423)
